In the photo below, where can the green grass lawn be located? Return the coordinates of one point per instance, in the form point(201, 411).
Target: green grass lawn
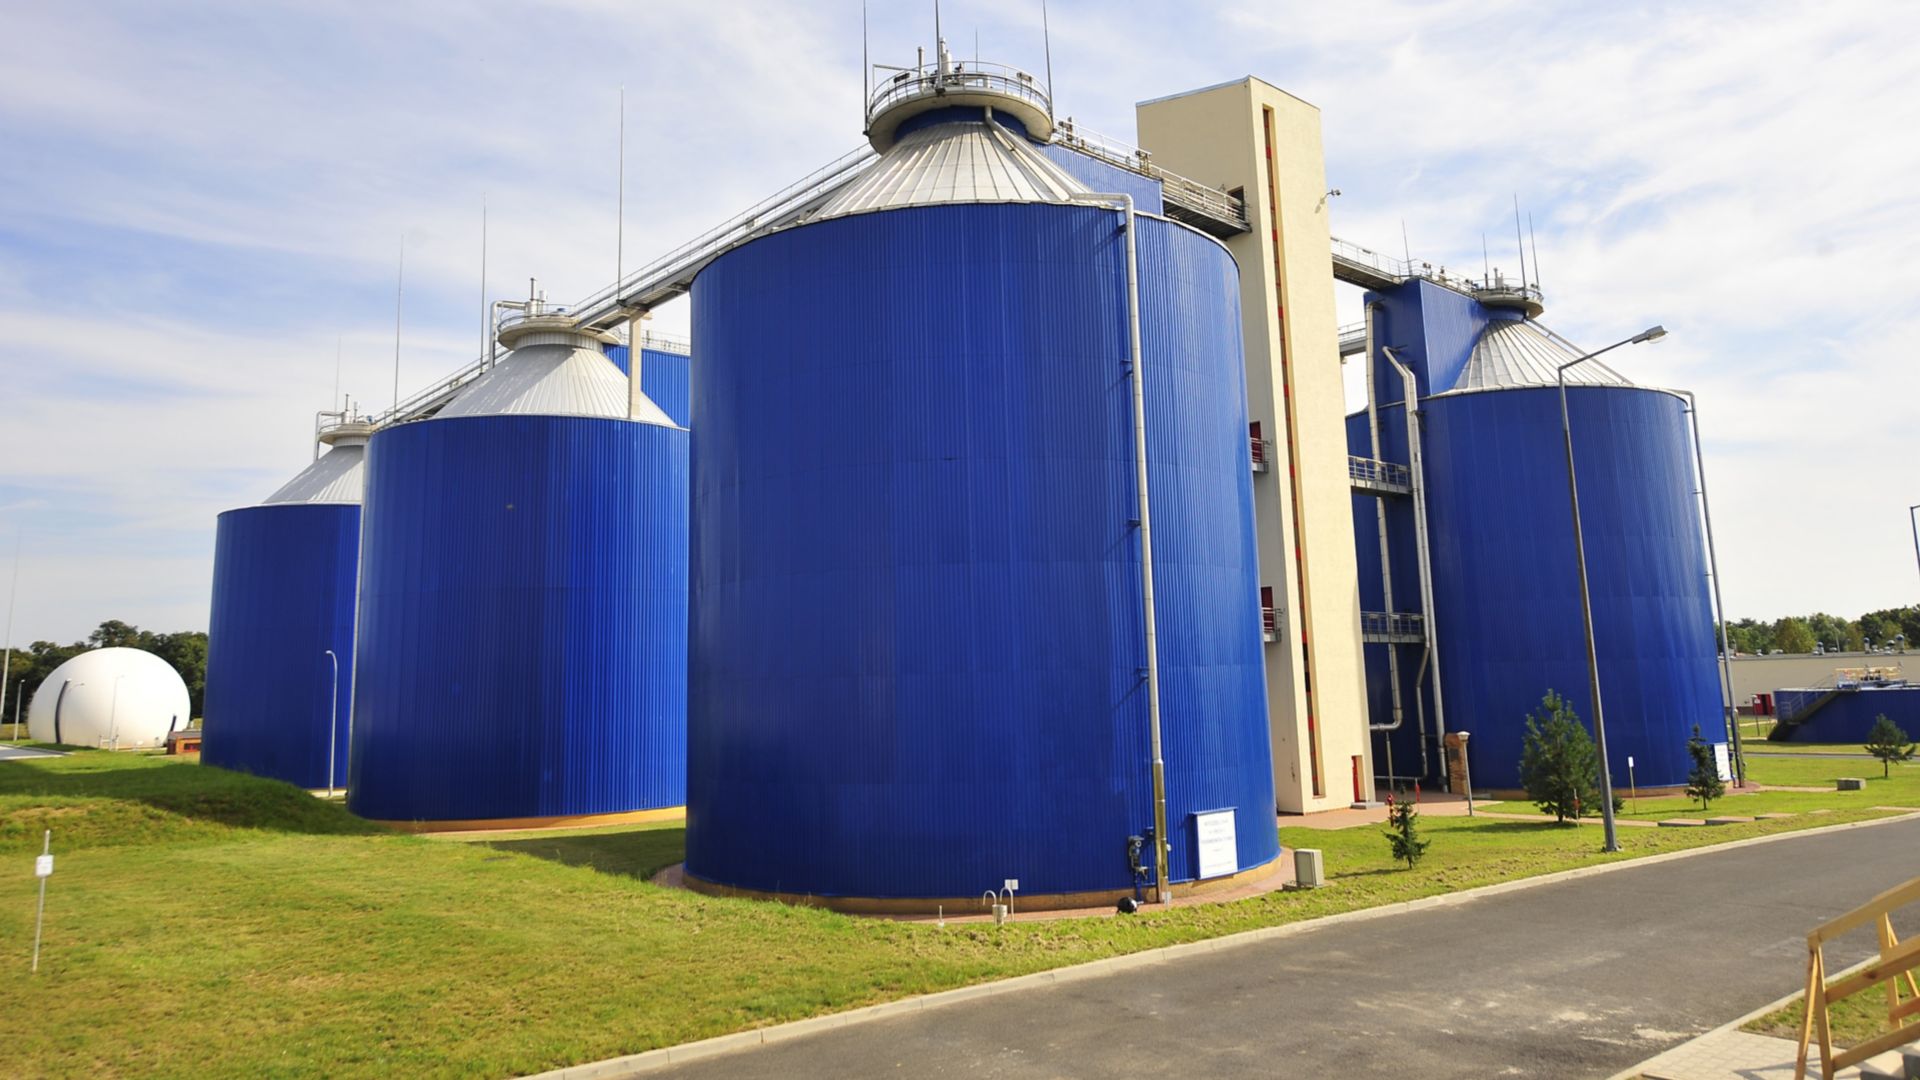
point(1852, 1021)
point(203, 923)
point(1797, 748)
point(1901, 789)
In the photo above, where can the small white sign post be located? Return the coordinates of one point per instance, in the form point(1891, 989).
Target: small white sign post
point(1219, 853)
point(42, 869)
point(1633, 789)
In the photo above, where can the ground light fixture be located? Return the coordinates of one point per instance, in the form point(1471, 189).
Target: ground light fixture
point(1652, 333)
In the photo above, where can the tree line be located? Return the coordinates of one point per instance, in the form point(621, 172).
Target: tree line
point(186, 650)
point(1896, 627)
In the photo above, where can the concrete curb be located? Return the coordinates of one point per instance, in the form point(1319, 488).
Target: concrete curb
point(654, 1060)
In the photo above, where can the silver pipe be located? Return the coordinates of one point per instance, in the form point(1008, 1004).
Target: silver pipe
point(1719, 608)
point(1409, 400)
point(1163, 891)
point(1386, 557)
point(634, 393)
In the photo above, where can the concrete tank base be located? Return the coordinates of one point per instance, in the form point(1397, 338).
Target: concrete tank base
point(564, 821)
point(1263, 878)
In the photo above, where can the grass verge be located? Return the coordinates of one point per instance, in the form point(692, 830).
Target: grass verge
point(1901, 788)
point(203, 923)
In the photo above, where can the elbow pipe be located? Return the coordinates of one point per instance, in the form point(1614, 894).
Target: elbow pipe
point(1123, 203)
point(1409, 396)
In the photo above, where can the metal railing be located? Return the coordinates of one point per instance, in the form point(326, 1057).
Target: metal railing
point(1175, 190)
point(669, 274)
point(1269, 624)
point(929, 80)
point(1375, 473)
point(1393, 625)
point(1353, 339)
point(1261, 451)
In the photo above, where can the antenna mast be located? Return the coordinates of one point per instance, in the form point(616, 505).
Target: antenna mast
point(1535, 245)
point(1046, 40)
point(486, 327)
point(620, 204)
point(866, 62)
point(1519, 241)
point(399, 292)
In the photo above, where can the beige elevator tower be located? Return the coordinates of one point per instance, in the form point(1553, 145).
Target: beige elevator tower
point(1263, 144)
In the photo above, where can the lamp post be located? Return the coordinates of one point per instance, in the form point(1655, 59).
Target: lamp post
point(333, 721)
point(1911, 520)
point(1653, 333)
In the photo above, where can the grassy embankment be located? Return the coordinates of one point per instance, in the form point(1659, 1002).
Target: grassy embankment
point(202, 923)
point(1901, 789)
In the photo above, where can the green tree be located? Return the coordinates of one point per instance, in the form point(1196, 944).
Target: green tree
point(1888, 742)
point(1559, 767)
point(114, 634)
point(186, 650)
point(1703, 779)
point(1403, 831)
point(1792, 635)
point(1836, 633)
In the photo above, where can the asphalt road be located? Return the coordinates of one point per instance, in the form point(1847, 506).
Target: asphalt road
point(1580, 978)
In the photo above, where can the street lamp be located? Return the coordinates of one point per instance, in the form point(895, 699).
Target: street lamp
point(333, 721)
point(1916, 531)
point(1652, 333)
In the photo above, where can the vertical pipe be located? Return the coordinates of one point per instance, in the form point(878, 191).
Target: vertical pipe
point(634, 393)
point(1719, 606)
point(620, 206)
point(1586, 616)
point(486, 320)
point(1380, 521)
point(333, 721)
point(1417, 459)
point(1163, 892)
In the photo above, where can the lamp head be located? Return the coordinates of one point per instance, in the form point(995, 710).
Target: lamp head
point(1651, 333)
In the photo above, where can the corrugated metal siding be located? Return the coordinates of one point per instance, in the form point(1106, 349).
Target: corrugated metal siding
point(1097, 175)
point(1506, 586)
point(522, 643)
point(663, 378)
point(283, 581)
point(1850, 716)
point(917, 634)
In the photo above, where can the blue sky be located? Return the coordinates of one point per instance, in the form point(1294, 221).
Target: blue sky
point(200, 204)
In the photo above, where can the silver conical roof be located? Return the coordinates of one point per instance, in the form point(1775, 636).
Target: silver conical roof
point(337, 476)
point(961, 161)
point(1521, 352)
point(552, 371)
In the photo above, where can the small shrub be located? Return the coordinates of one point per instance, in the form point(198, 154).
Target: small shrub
point(1703, 778)
point(1403, 831)
point(1888, 742)
point(1559, 768)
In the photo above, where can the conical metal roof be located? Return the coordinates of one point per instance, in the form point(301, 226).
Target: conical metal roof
point(961, 161)
point(337, 476)
point(552, 371)
point(1521, 352)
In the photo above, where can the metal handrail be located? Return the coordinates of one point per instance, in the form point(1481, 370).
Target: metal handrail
point(1175, 188)
point(928, 80)
point(767, 214)
point(1372, 470)
point(1393, 623)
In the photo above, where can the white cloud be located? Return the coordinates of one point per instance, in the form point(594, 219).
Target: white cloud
point(196, 213)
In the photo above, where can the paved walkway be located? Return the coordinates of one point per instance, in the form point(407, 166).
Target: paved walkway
point(9, 752)
point(1578, 978)
point(1742, 1055)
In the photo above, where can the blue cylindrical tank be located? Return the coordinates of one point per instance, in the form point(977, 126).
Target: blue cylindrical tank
point(1506, 622)
point(1506, 588)
point(918, 665)
point(522, 646)
point(277, 704)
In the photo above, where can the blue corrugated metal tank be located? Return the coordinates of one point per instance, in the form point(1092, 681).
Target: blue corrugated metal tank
point(917, 611)
point(1506, 592)
point(283, 585)
point(1846, 716)
point(664, 371)
point(522, 648)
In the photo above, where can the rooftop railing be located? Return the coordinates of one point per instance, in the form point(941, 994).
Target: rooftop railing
point(928, 80)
